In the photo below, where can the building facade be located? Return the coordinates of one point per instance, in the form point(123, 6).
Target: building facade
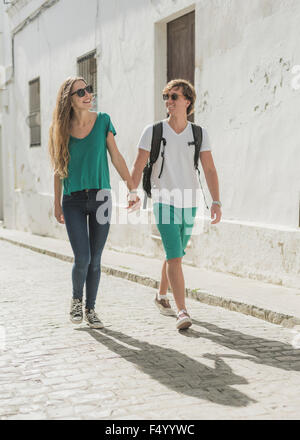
point(240, 56)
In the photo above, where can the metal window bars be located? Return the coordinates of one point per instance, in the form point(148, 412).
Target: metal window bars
point(87, 68)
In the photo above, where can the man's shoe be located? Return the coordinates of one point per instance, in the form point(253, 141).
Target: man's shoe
point(92, 319)
point(163, 304)
point(76, 315)
point(183, 320)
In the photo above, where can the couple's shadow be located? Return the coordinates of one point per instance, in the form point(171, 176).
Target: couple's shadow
point(176, 370)
point(255, 349)
point(190, 377)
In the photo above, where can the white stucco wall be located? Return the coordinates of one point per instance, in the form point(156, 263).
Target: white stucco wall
point(244, 55)
point(48, 48)
point(4, 74)
point(1, 85)
point(243, 68)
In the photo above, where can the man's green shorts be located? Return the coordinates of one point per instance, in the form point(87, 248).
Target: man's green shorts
point(175, 226)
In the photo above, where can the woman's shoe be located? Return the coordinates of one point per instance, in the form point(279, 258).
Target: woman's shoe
point(92, 319)
point(76, 314)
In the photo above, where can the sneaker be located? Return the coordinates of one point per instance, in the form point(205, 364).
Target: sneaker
point(92, 319)
point(183, 320)
point(163, 304)
point(76, 315)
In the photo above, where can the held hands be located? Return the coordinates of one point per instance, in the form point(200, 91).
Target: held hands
point(134, 202)
point(58, 213)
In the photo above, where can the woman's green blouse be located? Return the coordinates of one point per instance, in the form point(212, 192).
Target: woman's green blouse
point(88, 165)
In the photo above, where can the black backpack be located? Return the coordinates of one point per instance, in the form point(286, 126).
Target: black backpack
point(157, 138)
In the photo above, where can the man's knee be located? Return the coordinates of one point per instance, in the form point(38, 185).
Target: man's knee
point(174, 262)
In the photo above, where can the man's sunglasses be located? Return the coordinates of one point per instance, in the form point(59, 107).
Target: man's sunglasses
point(174, 96)
point(81, 92)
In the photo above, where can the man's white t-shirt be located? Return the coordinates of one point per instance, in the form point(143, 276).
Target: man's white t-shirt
point(178, 184)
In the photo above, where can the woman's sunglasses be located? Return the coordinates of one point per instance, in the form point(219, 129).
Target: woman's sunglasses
point(174, 96)
point(81, 92)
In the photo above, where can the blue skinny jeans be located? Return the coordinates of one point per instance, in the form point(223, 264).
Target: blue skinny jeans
point(87, 237)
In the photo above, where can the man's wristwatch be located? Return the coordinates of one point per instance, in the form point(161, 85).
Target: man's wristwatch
point(217, 202)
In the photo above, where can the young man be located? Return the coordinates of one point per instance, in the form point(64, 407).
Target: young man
point(175, 189)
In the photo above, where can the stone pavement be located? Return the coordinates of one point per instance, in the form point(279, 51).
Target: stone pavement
point(226, 366)
point(273, 303)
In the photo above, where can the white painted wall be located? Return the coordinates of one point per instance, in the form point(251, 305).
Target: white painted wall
point(1, 73)
point(2, 79)
point(245, 100)
point(1, 177)
point(244, 61)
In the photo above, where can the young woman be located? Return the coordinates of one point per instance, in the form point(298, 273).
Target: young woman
point(78, 144)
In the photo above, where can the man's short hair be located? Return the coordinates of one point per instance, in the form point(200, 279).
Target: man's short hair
point(187, 90)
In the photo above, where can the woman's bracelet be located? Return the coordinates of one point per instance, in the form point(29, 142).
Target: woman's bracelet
point(132, 191)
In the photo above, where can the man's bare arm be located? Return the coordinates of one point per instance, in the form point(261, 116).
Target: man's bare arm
point(139, 165)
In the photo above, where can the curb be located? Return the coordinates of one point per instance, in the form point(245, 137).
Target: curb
point(288, 321)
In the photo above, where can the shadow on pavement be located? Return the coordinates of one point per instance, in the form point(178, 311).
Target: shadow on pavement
point(259, 350)
point(176, 370)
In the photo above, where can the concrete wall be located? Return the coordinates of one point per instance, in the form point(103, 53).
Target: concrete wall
point(244, 55)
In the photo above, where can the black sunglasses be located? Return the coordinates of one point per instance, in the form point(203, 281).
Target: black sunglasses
point(81, 92)
point(174, 96)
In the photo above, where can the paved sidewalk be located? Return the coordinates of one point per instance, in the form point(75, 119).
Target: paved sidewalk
point(226, 366)
point(276, 304)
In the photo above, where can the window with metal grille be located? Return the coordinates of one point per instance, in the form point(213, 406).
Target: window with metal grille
point(87, 68)
point(34, 118)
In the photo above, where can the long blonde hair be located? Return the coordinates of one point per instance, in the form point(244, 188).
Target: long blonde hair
point(59, 133)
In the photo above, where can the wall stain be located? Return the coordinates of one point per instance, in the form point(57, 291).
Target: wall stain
point(266, 78)
point(287, 66)
point(281, 81)
point(280, 243)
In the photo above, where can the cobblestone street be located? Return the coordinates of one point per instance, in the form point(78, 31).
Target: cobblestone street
point(227, 366)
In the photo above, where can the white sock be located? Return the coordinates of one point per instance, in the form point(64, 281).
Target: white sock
point(159, 297)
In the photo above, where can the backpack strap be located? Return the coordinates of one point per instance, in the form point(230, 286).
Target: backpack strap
point(197, 133)
point(157, 138)
point(198, 136)
point(156, 141)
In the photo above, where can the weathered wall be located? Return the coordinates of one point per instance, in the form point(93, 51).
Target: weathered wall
point(244, 58)
point(1, 86)
point(245, 53)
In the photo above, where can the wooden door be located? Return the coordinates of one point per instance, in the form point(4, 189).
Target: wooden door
point(181, 48)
